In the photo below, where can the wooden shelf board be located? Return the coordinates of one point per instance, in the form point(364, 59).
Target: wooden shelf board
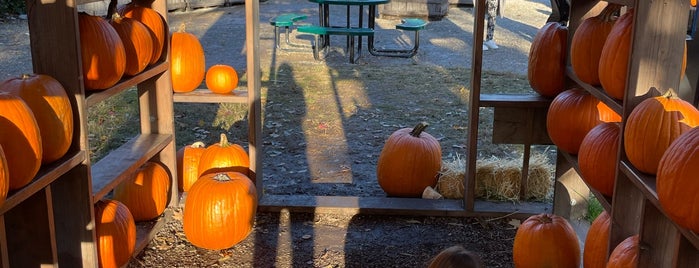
point(145, 231)
point(121, 162)
point(514, 100)
point(47, 174)
point(628, 3)
point(598, 92)
point(97, 96)
point(605, 201)
point(203, 95)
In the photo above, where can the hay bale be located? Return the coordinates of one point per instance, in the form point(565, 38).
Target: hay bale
point(451, 177)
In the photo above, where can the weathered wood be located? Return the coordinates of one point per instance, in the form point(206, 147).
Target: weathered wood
point(147, 230)
point(30, 241)
point(627, 210)
point(598, 92)
point(254, 84)
point(425, 9)
point(4, 256)
point(203, 95)
point(94, 97)
point(659, 239)
point(514, 125)
point(514, 100)
point(570, 193)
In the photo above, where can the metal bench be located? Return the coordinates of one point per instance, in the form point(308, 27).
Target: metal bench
point(324, 31)
point(287, 21)
point(408, 24)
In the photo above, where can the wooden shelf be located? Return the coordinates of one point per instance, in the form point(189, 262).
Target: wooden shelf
point(628, 3)
point(145, 231)
point(598, 92)
point(97, 96)
point(203, 95)
point(605, 201)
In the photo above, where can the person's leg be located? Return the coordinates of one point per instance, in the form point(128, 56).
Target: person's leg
point(491, 13)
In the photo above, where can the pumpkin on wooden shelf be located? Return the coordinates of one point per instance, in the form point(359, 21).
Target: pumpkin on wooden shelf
point(614, 60)
point(151, 19)
point(597, 157)
point(224, 156)
point(20, 139)
point(4, 177)
point(547, 60)
point(625, 254)
point(572, 114)
point(676, 184)
point(116, 233)
point(188, 165)
point(103, 53)
point(597, 242)
point(546, 240)
point(221, 79)
point(693, 3)
point(220, 210)
point(146, 192)
point(187, 61)
point(138, 43)
point(653, 125)
point(409, 162)
point(51, 108)
point(587, 42)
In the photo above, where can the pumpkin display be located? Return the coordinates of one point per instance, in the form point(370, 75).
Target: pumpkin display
point(676, 184)
point(409, 162)
point(693, 3)
point(116, 233)
point(220, 210)
point(103, 53)
point(224, 156)
point(597, 242)
point(653, 125)
point(221, 79)
point(146, 192)
point(188, 165)
point(597, 157)
point(151, 19)
point(547, 60)
point(50, 105)
point(587, 42)
point(613, 63)
point(187, 61)
point(572, 114)
point(20, 139)
point(553, 240)
point(625, 254)
point(4, 177)
point(138, 43)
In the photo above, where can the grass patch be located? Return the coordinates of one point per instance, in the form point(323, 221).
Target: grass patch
point(594, 208)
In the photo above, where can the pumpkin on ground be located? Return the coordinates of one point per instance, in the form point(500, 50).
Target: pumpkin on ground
point(653, 125)
point(146, 192)
point(587, 42)
point(151, 19)
point(409, 162)
point(677, 184)
point(224, 156)
point(138, 42)
point(546, 240)
point(116, 233)
point(103, 53)
point(20, 139)
point(547, 60)
point(572, 114)
point(187, 61)
point(51, 107)
point(625, 254)
point(613, 63)
point(188, 165)
point(597, 242)
point(597, 157)
point(4, 177)
point(220, 210)
point(221, 79)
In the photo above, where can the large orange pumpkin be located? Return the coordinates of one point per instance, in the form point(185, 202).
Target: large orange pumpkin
point(20, 139)
point(187, 61)
point(138, 42)
point(4, 177)
point(409, 162)
point(224, 156)
point(116, 233)
point(220, 210)
point(546, 240)
point(597, 157)
point(188, 165)
point(653, 125)
point(146, 192)
point(547, 60)
point(51, 107)
point(597, 242)
point(103, 53)
point(587, 42)
point(151, 19)
point(221, 79)
point(625, 254)
point(572, 114)
point(613, 63)
point(677, 183)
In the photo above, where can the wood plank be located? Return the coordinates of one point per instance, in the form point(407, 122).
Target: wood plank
point(254, 85)
point(4, 256)
point(659, 239)
point(598, 92)
point(688, 254)
point(605, 201)
point(628, 3)
point(203, 95)
point(30, 242)
point(123, 161)
point(570, 193)
point(145, 231)
point(519, 125)
point(514, 100)
point(94, 97)
point(627, 211)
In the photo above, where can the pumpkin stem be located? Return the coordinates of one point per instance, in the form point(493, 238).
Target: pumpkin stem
point(198, 144)
point(417, 130)
point(26, 76)
point(670, 93)
point(116, 17)
point(224, 140)
point(610, 12)
point(182, 28)
point(222, 176)
point(545, 218)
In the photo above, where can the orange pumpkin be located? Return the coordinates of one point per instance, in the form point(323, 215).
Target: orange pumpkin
point(20, 139)
point(151, 19)
point(116, 233)
point(187, 61)
point(138, 42)
point(103, 53)
point(188, 165)
point(4, 177)
point(51, 107)
point(546, 240)
point(409, 162)
point(221, 79)
point(587, 42)
point(597, 157)
point(146, 192)
point(572, 114)
point(224, 156)
point(693, 3)
point(625, 254)
point(613, 63)
point(677, 184)
point(547, 60)
point(653, 125)
point(597, 242)
point(220, 210)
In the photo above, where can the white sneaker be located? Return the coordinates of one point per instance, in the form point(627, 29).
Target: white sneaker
point(490, 44)
point(485, 47)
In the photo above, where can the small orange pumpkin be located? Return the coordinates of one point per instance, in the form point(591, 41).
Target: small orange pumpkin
point(613, 63)
point(597, 157)
point(138, 43)
point(220, 210)
point(187, 61)
point(677, 184)
point(20, 139)
point(224, 156)
point(221, 79)
point(188, 165)
point(151, 19)
point(547, 60)
point(4, 177)
point(587, 42)
point(116, 233)
point(146, 192)
point(597, 242)
point(625, 254)
point(553, 239)
point(103, 53)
